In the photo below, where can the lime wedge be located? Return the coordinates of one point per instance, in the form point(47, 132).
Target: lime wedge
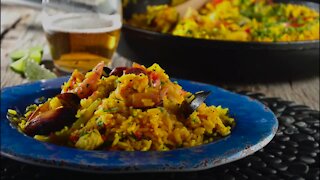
point(34, 71)
point(35, 56)
point(16, 55)
point(34, 52)
point(19, 65)
point(27, 62)
point(36, 48)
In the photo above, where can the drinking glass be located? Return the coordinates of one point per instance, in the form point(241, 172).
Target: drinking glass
point(81, 33)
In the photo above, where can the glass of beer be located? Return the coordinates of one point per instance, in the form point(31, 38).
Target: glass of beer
point(81, 33)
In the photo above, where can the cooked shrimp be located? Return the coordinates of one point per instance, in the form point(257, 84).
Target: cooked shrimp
point(76, 77)
point(89, 84)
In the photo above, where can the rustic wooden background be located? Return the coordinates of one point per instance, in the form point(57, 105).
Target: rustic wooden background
point(21, 27)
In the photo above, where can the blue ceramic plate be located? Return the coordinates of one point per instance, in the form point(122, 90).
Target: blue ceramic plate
point(256, 126)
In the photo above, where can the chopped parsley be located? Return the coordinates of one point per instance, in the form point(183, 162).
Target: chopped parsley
point(100, 123)
point(111, 110)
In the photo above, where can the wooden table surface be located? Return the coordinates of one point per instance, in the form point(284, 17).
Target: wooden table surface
point(21, 27)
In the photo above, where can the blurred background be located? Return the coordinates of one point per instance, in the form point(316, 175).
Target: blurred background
point(289, 70)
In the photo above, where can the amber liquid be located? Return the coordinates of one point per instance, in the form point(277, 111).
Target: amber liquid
point(80, 41)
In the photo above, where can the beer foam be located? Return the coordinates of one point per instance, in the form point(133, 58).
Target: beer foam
point(82, 23)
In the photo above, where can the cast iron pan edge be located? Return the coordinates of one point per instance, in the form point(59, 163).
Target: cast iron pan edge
point(206, 60)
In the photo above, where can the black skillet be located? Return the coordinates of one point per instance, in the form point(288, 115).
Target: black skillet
point(212, 60)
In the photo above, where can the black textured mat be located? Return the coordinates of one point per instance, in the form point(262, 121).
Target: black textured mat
point(292, 154)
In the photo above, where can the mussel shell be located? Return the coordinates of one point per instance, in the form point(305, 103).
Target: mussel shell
point(44, 121)
point(118, 71)
point(188, 108)
point(50, 121)
point(135, 71)
point(67, 100)
point(106, 71)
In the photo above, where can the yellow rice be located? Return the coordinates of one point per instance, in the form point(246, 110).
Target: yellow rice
point(109, 122)
point(234, 20)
